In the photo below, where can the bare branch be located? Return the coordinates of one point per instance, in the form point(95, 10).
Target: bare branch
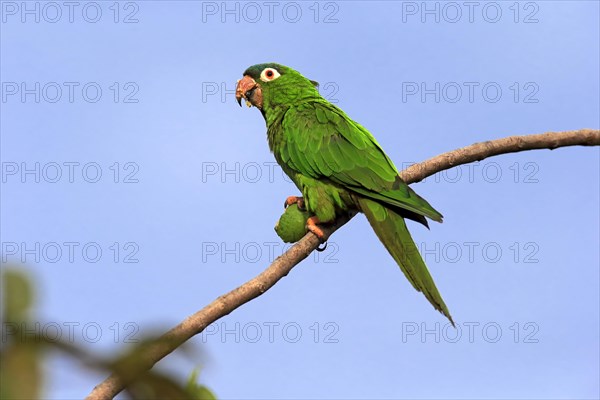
point(225, 304)
point(511, 144)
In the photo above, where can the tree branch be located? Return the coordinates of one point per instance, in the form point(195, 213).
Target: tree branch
point(225, 304)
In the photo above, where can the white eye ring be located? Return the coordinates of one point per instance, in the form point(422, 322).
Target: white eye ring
point(269, 74)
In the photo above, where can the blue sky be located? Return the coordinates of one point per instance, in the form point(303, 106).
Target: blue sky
point(152, 192)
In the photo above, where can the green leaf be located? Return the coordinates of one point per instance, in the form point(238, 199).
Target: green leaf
point(18, 296)
point(197, 391)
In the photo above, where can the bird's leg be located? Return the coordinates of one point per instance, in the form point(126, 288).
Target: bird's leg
point(295, 200)
point(311, 225)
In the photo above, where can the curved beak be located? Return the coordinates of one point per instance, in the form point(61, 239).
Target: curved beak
point(248, 89)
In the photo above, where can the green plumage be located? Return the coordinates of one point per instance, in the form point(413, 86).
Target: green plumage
point(338, 166)
point(291, 226)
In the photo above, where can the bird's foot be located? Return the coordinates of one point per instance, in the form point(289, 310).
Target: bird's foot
point(295, 200)
point(311, 225)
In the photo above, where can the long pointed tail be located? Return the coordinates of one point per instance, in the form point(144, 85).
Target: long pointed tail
point(391, 230)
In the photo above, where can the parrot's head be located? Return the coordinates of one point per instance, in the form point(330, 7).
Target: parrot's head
point(270, 85)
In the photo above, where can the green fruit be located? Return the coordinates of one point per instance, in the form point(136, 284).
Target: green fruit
point(291, 226)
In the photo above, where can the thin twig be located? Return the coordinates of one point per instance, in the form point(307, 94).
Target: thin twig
point(225, 304)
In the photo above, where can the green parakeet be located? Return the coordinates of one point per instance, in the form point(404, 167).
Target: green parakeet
point(338, 166)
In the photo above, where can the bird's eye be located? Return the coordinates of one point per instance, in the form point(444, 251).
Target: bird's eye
point(269, 74)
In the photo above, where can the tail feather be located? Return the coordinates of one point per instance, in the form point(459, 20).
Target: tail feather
point(391, 230)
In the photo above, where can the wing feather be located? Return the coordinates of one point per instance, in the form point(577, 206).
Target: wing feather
point(323, 143)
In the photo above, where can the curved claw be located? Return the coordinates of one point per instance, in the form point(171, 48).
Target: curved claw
point(321, 249)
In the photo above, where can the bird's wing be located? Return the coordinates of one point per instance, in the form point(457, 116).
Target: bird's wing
point(322, 142)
